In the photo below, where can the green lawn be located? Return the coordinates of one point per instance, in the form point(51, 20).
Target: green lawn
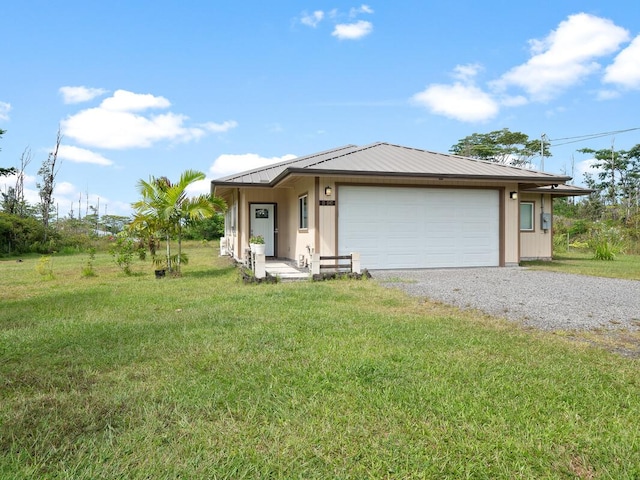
point(205, 377)
point(624, 266)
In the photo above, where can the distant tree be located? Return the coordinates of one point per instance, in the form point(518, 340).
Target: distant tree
point(206, 229)
point(13, 201)
point(48, 172)
point(19, 235)
point(114, 223)
point(501, 146)
point(5, 172)
point(617, 179)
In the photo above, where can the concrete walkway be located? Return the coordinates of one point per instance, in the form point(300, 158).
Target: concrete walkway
point(285, 271)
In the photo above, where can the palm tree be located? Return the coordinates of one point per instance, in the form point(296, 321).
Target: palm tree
point(165, 208)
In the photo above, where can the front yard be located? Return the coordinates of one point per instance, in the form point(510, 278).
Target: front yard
point(205, 377)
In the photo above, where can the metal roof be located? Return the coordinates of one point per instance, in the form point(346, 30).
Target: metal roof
point(385, 159)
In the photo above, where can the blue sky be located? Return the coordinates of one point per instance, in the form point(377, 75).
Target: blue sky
point(144, 88)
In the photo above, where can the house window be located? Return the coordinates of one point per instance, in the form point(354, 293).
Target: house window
point(526, 216)
point(303, 212)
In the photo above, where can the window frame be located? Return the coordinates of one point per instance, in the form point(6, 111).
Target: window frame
point(303, 212)
point(532, 206)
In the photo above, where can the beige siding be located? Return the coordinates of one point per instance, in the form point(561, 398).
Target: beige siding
point(538, 244)
point(322, 235)
point(511, 219)
point(303, 241)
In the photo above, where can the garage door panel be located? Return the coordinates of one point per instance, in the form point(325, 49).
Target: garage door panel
point(419, 227)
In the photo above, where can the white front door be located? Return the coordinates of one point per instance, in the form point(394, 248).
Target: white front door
point(262, 222)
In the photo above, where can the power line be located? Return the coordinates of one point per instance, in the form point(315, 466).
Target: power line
point(592, 136)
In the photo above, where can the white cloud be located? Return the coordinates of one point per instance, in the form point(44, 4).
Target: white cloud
point(625, 69)
point(466, 73)
point(608, 94)
point(80, 94)
point(343, 31)
point(586, 166)
point(65, 189)
point(201, 187)
point(120, 122)
point(124, 101)
point(513, 101)
point(352, 31)
point(354, 12)
point(312, 19)
point(466, 103)
point(219, 127)
point(228, 164)
point(81, 155)
point(462, 100)
point(5, 108)
point(566, 56)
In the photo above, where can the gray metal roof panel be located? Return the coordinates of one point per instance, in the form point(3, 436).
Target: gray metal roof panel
point(388, 159)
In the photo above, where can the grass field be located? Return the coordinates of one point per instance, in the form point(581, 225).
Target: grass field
point(204, 377)
point(624, 266)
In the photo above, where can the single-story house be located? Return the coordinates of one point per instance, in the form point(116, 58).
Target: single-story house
point(398, 207)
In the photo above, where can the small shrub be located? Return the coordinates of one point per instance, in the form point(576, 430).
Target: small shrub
point(123, 251)
point(579, 227)
point(45, 267)
point(88, 269)
point(560, 243)
point(579, 245)
point(604, 251)
point(606, 242)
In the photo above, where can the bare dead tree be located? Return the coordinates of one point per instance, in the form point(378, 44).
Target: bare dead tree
point(25, 160)
point(48, 172)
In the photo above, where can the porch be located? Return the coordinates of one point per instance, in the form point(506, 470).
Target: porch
point(286, 270)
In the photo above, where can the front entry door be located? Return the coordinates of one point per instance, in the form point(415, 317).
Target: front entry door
point(263, 222)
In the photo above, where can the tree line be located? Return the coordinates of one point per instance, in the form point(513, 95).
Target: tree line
point(26, 227)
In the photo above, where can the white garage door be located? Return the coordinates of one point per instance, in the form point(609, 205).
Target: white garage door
point(419, 227)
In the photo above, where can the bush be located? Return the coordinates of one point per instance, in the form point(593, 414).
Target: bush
point(21, 235)
point(207, 229)
point(606, 242)
point(124, 250)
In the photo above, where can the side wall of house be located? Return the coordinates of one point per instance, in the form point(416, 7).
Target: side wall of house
point(537, 244)
point(302, 242)
point(321, 234)
point(229, 242)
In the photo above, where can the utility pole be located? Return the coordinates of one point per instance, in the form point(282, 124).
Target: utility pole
point(613, 172)
point(542, 139)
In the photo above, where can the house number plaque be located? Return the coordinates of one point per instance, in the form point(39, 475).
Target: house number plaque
point(327, 203)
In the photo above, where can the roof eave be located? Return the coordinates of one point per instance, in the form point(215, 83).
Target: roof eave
point(545, 180)
point(550, 179)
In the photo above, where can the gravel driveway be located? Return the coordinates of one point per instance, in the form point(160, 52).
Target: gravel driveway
point(541, 299)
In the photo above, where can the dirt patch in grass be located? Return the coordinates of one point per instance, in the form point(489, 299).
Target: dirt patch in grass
point(621, 342)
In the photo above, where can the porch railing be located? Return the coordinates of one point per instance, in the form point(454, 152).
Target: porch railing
point(335, 263)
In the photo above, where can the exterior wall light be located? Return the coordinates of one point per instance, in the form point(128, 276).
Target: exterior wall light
point(513, 195)
point(328, 191)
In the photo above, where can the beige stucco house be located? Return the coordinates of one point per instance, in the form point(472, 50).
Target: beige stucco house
point(398, 207)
